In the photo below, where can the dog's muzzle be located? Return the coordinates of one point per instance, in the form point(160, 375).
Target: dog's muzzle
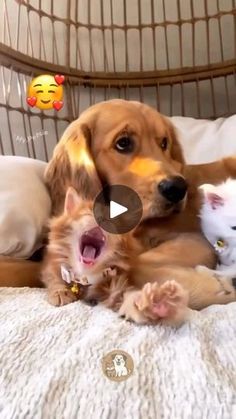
point(173, 188)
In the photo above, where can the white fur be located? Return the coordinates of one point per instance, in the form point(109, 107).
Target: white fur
point(217, 220)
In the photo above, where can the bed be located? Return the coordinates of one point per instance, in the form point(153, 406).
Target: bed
point(51, 362)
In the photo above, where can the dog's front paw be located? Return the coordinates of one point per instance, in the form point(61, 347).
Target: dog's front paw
point(61, 297)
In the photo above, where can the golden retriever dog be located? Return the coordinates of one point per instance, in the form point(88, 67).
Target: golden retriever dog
point(129, 143)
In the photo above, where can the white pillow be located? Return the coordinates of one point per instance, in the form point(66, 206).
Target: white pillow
point(204, 141)
point(25, 205)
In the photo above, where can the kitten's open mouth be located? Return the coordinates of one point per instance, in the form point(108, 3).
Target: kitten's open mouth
point(91, 245)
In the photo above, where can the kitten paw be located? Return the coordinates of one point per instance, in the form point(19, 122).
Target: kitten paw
point(162, 302)
point(117, 287)
point(61, 297)
point(166, 302)
point(129, 309)
point(110, 272)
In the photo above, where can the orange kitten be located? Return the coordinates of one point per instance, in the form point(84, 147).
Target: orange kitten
point(81, 258)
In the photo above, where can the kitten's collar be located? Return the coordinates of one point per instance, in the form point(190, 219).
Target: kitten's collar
point(70, 278)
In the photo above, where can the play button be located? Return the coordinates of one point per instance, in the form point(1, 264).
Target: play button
point(117, 209)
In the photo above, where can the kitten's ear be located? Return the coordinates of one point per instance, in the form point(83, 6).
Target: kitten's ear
point(212, 196)
point(72, 200)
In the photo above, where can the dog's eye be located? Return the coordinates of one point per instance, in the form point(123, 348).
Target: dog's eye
point(164, 143)
point(124, 144)
point(233, 228)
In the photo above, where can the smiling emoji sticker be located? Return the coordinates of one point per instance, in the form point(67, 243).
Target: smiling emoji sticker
point(46, 92)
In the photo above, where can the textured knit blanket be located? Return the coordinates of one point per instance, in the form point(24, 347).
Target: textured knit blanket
point(50, 363)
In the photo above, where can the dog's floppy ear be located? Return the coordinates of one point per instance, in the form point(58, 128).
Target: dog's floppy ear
point(72, 165)
point(176, 150)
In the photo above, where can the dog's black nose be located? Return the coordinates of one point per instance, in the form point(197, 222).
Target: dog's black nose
point(173, 188)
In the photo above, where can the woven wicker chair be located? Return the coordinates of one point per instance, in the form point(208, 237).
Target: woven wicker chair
point(176, 55)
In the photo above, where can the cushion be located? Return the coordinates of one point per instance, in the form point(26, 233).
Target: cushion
point(24, 205)
point(205, 141)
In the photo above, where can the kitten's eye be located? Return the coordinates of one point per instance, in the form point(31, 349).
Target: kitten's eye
point(124, 144)
point(220, 243)
point(164, 144)
point(233, 228)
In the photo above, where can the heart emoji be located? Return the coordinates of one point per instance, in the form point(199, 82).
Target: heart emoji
point(59, 78)
point(31, 101)
point(57, 104)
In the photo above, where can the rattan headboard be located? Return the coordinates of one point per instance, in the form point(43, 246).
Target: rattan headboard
point(176, 55)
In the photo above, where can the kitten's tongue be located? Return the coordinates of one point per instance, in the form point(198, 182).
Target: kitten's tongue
point(91, 245)
point(89, 253)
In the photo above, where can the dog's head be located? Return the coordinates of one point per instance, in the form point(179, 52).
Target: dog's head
point(119, 360)
point(120, 142)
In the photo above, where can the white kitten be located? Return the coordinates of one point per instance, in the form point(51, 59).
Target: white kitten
point(218, 222)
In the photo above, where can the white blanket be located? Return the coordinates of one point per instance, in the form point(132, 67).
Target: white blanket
point(50, 364)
